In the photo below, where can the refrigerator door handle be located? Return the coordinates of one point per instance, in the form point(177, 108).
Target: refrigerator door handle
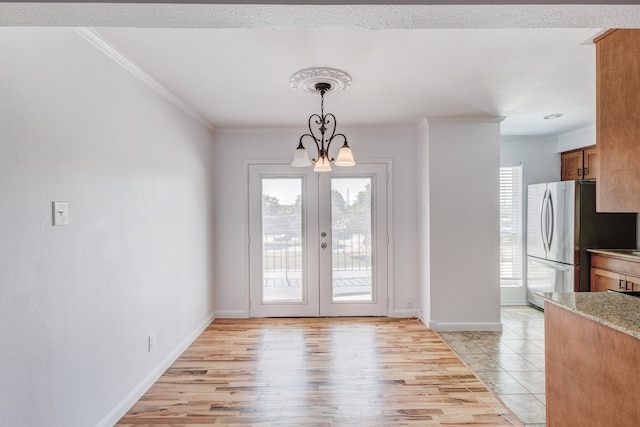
point(543, 206)
point(550, 224)
point(552, 264)
point(545, 220)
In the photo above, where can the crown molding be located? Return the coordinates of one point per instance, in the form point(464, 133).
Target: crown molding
point(134, 69)
point(299, 129)
point(464, 119)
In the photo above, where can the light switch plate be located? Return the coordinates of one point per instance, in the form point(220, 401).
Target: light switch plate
point(60, 213)
point(152, 342)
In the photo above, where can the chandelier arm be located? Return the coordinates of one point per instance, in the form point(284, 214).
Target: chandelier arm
point(319, 122)
point(314, 140)
point(344, 138)
point(333, 130)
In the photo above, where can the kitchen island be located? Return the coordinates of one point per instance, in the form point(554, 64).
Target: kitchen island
point(592, 359)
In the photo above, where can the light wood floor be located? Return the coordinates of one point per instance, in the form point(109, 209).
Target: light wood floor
point(318, 372)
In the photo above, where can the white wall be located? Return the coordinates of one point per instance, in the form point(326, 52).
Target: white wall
point(233, 148)
point(540, 163)
point(461, 290)
point(77, 302)
point(578, 138)
point(424, 254)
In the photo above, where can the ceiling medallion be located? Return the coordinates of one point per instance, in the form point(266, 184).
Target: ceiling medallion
point(306, 80)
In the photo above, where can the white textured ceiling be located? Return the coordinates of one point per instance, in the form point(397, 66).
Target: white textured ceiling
point(239, 78)
point(232, 63)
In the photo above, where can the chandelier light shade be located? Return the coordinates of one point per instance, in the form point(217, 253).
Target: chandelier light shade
point(345, 157)
point(322, 165)
point(322, 127)
point(301, 158)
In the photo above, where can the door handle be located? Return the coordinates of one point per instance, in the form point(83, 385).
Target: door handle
point(552, 264)
point(543, 220)
point(323, 246)
point(546, 220)
point(551, 222)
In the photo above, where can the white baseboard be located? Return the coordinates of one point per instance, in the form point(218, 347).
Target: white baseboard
point(118, 412)
point(464, 326)
point(405, 312)
point(460, 326)
point(422, 319)
point(232, 314)
point(514, 302)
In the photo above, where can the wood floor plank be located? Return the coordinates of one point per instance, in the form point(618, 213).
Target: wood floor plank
point(318, 372)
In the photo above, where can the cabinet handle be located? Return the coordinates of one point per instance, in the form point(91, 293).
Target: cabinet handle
point(579, 170)
point(586, 171)
point(620, 285)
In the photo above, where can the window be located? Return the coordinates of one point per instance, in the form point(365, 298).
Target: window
point(511, 226)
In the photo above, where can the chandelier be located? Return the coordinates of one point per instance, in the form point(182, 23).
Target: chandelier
point(322, 127)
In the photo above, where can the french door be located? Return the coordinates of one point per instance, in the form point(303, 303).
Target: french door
point(318, 241)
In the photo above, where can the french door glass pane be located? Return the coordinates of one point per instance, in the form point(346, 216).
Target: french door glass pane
point(351, 212)
point(282, 254)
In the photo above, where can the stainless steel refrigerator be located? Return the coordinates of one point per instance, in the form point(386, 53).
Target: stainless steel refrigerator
point(562, 224)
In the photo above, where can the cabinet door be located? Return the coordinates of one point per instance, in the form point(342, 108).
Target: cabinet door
point(589, 163)
point(603, 280)
point(571, 165)
point(632, 283)
point(617, 119)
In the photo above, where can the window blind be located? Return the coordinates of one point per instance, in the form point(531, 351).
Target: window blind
point(511, 226)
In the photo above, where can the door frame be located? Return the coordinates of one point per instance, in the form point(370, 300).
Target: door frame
point(390, 221)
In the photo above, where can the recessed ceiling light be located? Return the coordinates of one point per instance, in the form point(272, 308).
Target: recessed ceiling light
point(553, 116)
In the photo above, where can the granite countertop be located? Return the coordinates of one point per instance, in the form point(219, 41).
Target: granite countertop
point(618, 311)
point(630, 254)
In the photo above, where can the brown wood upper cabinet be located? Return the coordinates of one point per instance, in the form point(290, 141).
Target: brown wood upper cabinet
point(579, 164)
point(618, 120)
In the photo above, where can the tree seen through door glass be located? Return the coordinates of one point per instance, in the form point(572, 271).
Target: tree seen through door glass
point(351, 239)
point(282, 253)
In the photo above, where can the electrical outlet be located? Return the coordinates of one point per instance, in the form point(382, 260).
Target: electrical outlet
point(152, 342)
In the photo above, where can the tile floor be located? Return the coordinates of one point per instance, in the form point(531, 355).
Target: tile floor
point(511, 362)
